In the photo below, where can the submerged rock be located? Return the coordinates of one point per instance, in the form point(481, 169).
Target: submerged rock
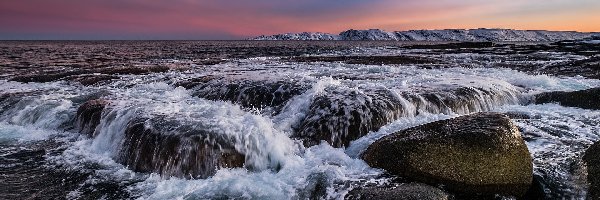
point(413, 191)
point(339, 117)
point(479, 154)
point(88, 116)
point(170, 148)
point(272, 95)
point(8, 100)
point(586, 99)
point(592, 160)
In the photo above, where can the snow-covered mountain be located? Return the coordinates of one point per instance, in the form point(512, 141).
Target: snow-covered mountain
point(299, 36)
point(471, 35)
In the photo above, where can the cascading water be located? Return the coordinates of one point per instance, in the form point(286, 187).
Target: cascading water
point(275, 130)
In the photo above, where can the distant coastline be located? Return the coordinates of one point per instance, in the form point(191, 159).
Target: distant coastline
point(464, 35)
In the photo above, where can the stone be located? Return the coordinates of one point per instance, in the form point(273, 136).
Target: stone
point(341, 116)
point(411, 191)
point(170, 148)
point(479, 154)
point(586, 99)
point(89, 115)
point(592, 160)
point(268, 96)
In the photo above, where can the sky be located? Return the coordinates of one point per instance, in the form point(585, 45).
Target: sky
point(240, 19)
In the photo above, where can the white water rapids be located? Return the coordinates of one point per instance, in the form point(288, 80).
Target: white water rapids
point(277, 165)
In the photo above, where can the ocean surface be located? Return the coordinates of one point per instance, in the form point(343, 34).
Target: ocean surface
point(266, 101)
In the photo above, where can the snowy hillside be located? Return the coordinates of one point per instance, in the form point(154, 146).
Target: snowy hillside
point(299, 36)
point(475, 35)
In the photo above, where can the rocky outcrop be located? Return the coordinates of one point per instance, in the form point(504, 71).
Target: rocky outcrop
point(586, 99)
point(171, 148)
point(271, 95)
point(340, 116)
point(479, 154)
point(592, 160)
point(412, 191)
point(88, 116)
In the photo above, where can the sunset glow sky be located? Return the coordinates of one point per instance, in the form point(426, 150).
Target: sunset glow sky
point(239, 19)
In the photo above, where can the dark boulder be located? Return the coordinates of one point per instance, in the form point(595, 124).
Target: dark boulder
point(479, 154)
point(88, 116)
point(592, 160)
point(171, 148)
point(412, 191)
point(586, 99)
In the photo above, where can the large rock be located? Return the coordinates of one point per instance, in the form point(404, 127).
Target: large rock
point(341, 116)
point(413, 191)
point(479, 154)
point(171, 148)
point(592, 160)
point(587, 99)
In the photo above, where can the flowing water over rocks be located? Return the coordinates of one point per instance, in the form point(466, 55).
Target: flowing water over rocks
point(269, 120)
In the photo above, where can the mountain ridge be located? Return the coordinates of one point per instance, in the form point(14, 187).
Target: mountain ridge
point(463, 35)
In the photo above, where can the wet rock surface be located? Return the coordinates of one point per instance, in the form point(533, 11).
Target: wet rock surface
point(339, 117)
point(479, 154)
point(411, 191)
point(271, 95)
point(89, 115)
point(586, 99)
point(592, 160)
point(170, 148)
point(8, 100)
point(342, 116)
point(26, 174)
